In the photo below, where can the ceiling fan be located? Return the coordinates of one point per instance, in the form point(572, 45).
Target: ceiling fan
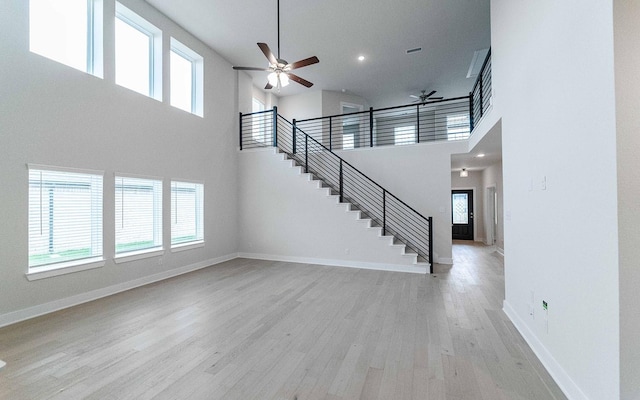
point(280, 69)
point(424, 96)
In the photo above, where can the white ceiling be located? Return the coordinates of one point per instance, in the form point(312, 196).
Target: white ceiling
point(490, 145)
point(338, 31)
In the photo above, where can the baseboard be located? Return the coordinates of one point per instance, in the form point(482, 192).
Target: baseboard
point(42, 309)
point(415, 269)
point(446, 261)
point(564, 381)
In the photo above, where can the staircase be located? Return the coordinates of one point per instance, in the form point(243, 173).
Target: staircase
point(389, 217)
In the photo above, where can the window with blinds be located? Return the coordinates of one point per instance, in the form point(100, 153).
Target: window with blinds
point(65, 218)
point(138, 215)
point(186, 213)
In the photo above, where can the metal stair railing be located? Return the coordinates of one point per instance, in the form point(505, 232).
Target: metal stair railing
point(394, 216)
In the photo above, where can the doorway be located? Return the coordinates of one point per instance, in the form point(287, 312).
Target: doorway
point(462, 214)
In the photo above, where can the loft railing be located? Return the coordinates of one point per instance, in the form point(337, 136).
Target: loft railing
point(395, 217)
point(413, 123)
point(480, 96)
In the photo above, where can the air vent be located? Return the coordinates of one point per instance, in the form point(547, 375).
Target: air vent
point(414, 50)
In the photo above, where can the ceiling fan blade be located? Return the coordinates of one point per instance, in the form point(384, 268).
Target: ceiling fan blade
point(251, 69)
point(268, 86)
point(301, 81)
point(303, 63)
point(267, 52)
point(413, 96)
point(430, 94)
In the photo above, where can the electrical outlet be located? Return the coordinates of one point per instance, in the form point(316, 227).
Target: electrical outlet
point(545, 313)
point(159, 260)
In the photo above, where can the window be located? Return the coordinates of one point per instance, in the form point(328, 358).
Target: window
point(187, 69)
point(458, 126)
point(65, 218)
point(69, 32)
point(138, 53)
point(261, 124)
point(138, 215)
point(404, 135)
point(186, 213)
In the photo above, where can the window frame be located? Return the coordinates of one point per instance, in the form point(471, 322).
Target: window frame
point(96, 259)
point(94, 50)
point(157, 248)
point(199, 217)
point(155, 49)
point(197, 76)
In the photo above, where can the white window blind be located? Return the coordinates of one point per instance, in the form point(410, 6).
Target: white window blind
point(186, 212)
point(65, 218)
point(138, 214)
point(404, 135)
point(458, 126)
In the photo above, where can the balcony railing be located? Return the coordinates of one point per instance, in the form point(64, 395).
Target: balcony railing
point(480, 96)
point(409, 124)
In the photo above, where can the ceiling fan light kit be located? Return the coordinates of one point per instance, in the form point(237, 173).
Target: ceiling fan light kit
point(279, 69)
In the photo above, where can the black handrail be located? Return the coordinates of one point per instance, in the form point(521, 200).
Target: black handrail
point(352, 185)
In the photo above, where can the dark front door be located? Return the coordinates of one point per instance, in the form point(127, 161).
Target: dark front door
point(462, 214)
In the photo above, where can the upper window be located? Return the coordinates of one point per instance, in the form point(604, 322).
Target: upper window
point(138, 215)
point(187, 69)
point(458, 126)
point(65, 218)
point(261, 124)
point(404, 135)
point(186, 213)
point(68, 31)
point(138, 53)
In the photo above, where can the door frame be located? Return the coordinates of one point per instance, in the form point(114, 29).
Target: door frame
point(475, 206)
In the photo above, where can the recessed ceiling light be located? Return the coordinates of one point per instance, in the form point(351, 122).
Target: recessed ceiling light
point(361, 58)
point(480, 155)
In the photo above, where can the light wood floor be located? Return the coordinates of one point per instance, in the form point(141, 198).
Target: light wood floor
point(250, 329)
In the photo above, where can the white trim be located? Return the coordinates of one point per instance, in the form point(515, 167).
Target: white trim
point(446, 261)
point(500, 251)
point(187, 246)
point(56, 305)
point(51, 270)
point(559, 375)
point(65, 169)
point(415, 269)
point(138, 255)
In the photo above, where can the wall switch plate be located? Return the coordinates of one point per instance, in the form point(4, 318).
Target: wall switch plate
point(543, 183)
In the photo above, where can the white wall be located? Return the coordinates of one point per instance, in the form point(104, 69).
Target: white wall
point(332, 102)
point(473, 182)
point(302, 106)
point(286, 217)
point(420, 175)
point(627, 65)
point(54, 115)
point(554, 83)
